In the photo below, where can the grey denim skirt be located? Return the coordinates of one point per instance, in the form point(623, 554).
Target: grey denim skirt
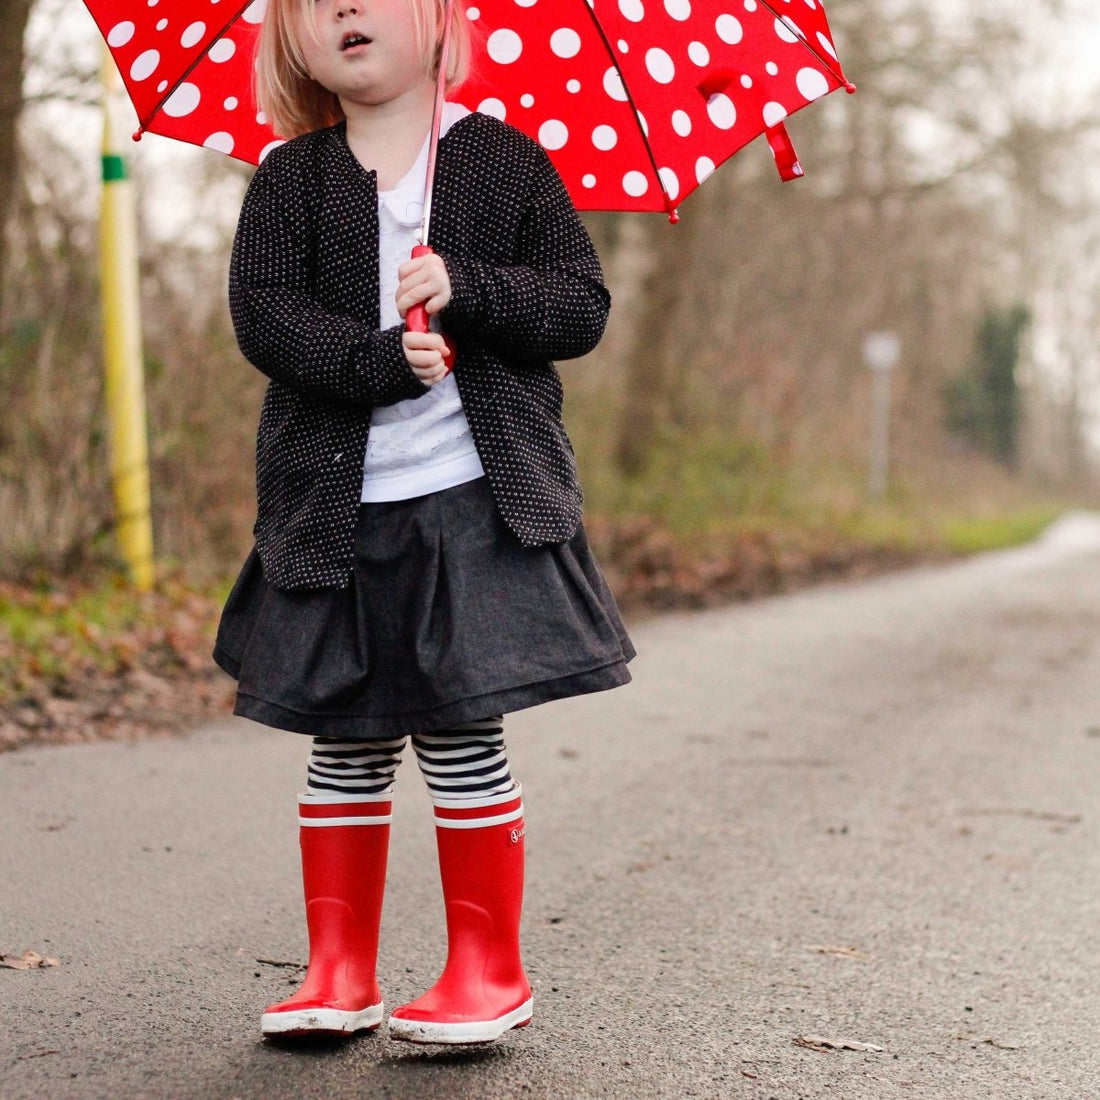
point(447, 618)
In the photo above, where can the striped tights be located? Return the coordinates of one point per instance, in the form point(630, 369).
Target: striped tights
point(466, 761)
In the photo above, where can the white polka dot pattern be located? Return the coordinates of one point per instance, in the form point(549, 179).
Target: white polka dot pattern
point(702, 74)
point(707, 76)
point(187, 65)
point(526, 288)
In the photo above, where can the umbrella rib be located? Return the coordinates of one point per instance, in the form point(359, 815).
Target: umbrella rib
point(828, 63)
point(670, 206)
point(143, 124)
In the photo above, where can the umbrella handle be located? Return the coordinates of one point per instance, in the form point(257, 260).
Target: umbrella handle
point(416, 317)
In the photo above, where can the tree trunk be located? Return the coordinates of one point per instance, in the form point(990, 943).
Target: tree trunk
point(13, 23)
point(656, 356)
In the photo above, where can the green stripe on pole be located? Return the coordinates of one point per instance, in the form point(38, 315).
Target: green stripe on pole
point(114, 167)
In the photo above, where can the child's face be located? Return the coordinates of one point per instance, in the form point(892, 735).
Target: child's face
point(364, 51)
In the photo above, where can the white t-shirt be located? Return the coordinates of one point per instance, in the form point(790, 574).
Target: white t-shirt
point(424, 444)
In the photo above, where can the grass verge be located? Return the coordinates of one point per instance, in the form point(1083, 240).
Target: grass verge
point(716, 519)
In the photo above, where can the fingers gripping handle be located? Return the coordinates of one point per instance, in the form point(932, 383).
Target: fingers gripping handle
point(416, 318)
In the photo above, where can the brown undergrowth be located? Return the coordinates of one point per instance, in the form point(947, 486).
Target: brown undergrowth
point(85, 663)
point(650, 569)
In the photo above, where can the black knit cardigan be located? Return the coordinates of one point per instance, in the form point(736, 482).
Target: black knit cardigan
point(303, 292)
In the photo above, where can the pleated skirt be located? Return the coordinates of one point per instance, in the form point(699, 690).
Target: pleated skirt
point(447, 618)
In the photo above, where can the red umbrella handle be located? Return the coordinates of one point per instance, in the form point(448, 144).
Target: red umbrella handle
point(416, 318)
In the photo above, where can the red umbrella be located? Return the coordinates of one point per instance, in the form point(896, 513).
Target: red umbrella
point(637, 101)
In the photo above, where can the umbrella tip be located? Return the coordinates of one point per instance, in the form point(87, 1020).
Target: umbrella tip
point(673, 216)
point(849, 87)
point(136, 135)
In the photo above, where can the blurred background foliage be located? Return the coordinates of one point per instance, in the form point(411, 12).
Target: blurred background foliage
point(723, 425)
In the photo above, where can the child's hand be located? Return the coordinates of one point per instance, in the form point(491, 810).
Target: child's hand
point(423, 279)
point(424, 352)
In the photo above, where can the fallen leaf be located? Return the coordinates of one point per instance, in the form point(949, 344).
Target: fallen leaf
point(29, 960)
point(282, 963)
point(817, 1042)
point(989, 1040)
point(847, 952)
point(1034, 815)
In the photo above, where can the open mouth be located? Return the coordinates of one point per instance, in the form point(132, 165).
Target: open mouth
point(352, 40)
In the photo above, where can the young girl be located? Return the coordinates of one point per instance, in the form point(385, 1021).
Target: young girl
point(420, 567)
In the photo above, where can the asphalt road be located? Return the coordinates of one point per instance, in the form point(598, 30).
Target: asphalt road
point(866, 813)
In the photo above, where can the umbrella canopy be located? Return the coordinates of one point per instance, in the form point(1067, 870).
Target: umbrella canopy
point(636, 101)
point(187, 65)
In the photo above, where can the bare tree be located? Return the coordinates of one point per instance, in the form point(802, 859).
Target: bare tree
point(14, 15)
point(901, 222)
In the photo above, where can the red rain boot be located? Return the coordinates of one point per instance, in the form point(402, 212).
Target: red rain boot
point(483, 990)
point(345, 840)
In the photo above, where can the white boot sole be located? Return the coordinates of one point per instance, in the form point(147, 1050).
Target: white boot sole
point(321, 1021)
point(478, 1031)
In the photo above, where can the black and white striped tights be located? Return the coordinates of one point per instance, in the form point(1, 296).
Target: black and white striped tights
point(466, 761)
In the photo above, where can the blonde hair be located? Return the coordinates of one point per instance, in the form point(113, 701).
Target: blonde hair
point(294, 103)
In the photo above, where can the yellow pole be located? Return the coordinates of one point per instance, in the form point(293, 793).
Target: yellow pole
point(122, 344)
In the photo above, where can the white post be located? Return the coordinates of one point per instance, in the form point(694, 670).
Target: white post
point(881, 351)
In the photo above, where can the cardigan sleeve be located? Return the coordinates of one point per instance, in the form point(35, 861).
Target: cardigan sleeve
point(551, 303)
point(282, 330)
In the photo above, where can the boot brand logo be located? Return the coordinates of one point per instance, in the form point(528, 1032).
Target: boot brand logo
point(517, 835)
